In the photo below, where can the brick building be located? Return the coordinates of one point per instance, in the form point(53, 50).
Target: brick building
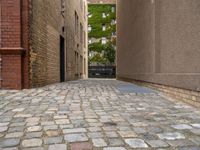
point(39, 41)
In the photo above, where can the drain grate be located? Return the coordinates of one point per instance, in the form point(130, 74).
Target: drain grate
point(133, 89)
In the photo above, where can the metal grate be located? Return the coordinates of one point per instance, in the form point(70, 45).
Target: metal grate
point(132, 88)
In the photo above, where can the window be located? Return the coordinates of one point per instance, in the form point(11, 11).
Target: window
point(84, 39)
point(75, 18)
point(103, 27)
point(81, 65)
point(113, 9)
point(81, 4)
point(76, 57)
point(89, 28)
point(76, 23)
point(90, 54)
point(103, 15)
point(84, 9)
point(84, 66)
point(89, 15)
point(81, 33)
point(113, 22)
point(62, 7)
point(89, 41)
point(103, 40)
point(113, 34)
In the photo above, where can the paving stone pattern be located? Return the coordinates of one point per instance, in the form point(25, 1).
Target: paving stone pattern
point(98, 115)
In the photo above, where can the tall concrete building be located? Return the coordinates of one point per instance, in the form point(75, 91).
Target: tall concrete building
point(42, 42)
point(159, 44)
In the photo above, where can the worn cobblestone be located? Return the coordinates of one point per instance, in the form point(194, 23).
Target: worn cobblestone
point(95, 114)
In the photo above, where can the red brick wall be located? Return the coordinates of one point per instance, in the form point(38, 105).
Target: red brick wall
point(10, 23)
point(25, 42)
point(11, 71)
point(13, 15)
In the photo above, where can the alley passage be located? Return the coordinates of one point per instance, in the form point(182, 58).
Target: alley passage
point(96, 114)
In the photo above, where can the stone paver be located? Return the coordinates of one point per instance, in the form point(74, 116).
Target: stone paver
point(157, 143)
point(76, 137)
point(81, 146)
point(9, 143)
point(75, 130)
point(3, 129)
point(34, 128)
point(95, 114)
point(114, 148)
point(58, 147)
point(136, 143)
point(99, 142)
point(181, 127)
point(171, 136)
point(196, 125)
point(14, 135)
point(32, 143)
point(53, 140)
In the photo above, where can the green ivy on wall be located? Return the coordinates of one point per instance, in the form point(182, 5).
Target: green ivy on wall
point(104, 53)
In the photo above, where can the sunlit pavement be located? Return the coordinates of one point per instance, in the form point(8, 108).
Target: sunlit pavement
point(96, 114)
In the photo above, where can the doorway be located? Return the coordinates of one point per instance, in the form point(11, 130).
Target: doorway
point(62, 59)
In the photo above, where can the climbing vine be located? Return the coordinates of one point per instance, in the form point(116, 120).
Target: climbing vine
point(102, 53)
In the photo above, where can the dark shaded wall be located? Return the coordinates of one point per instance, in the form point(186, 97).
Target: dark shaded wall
point(159, 42)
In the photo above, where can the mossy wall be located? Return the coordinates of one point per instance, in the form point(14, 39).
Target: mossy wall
point(102, 53)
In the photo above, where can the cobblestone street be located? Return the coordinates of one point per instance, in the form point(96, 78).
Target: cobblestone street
point(95, 114)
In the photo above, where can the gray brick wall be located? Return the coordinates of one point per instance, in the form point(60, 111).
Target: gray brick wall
point(46, 24)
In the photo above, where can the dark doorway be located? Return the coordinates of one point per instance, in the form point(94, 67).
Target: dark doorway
point(62, 59)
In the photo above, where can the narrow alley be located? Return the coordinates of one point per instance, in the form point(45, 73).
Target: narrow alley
point(56, 54)
point(96, 114)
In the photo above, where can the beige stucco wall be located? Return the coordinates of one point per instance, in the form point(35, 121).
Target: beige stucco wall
point(158, 42)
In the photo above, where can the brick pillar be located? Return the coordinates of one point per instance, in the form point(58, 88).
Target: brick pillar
point(12, 53)
point(25, 41)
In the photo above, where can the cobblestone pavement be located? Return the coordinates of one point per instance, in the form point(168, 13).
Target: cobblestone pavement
point(95, 114)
